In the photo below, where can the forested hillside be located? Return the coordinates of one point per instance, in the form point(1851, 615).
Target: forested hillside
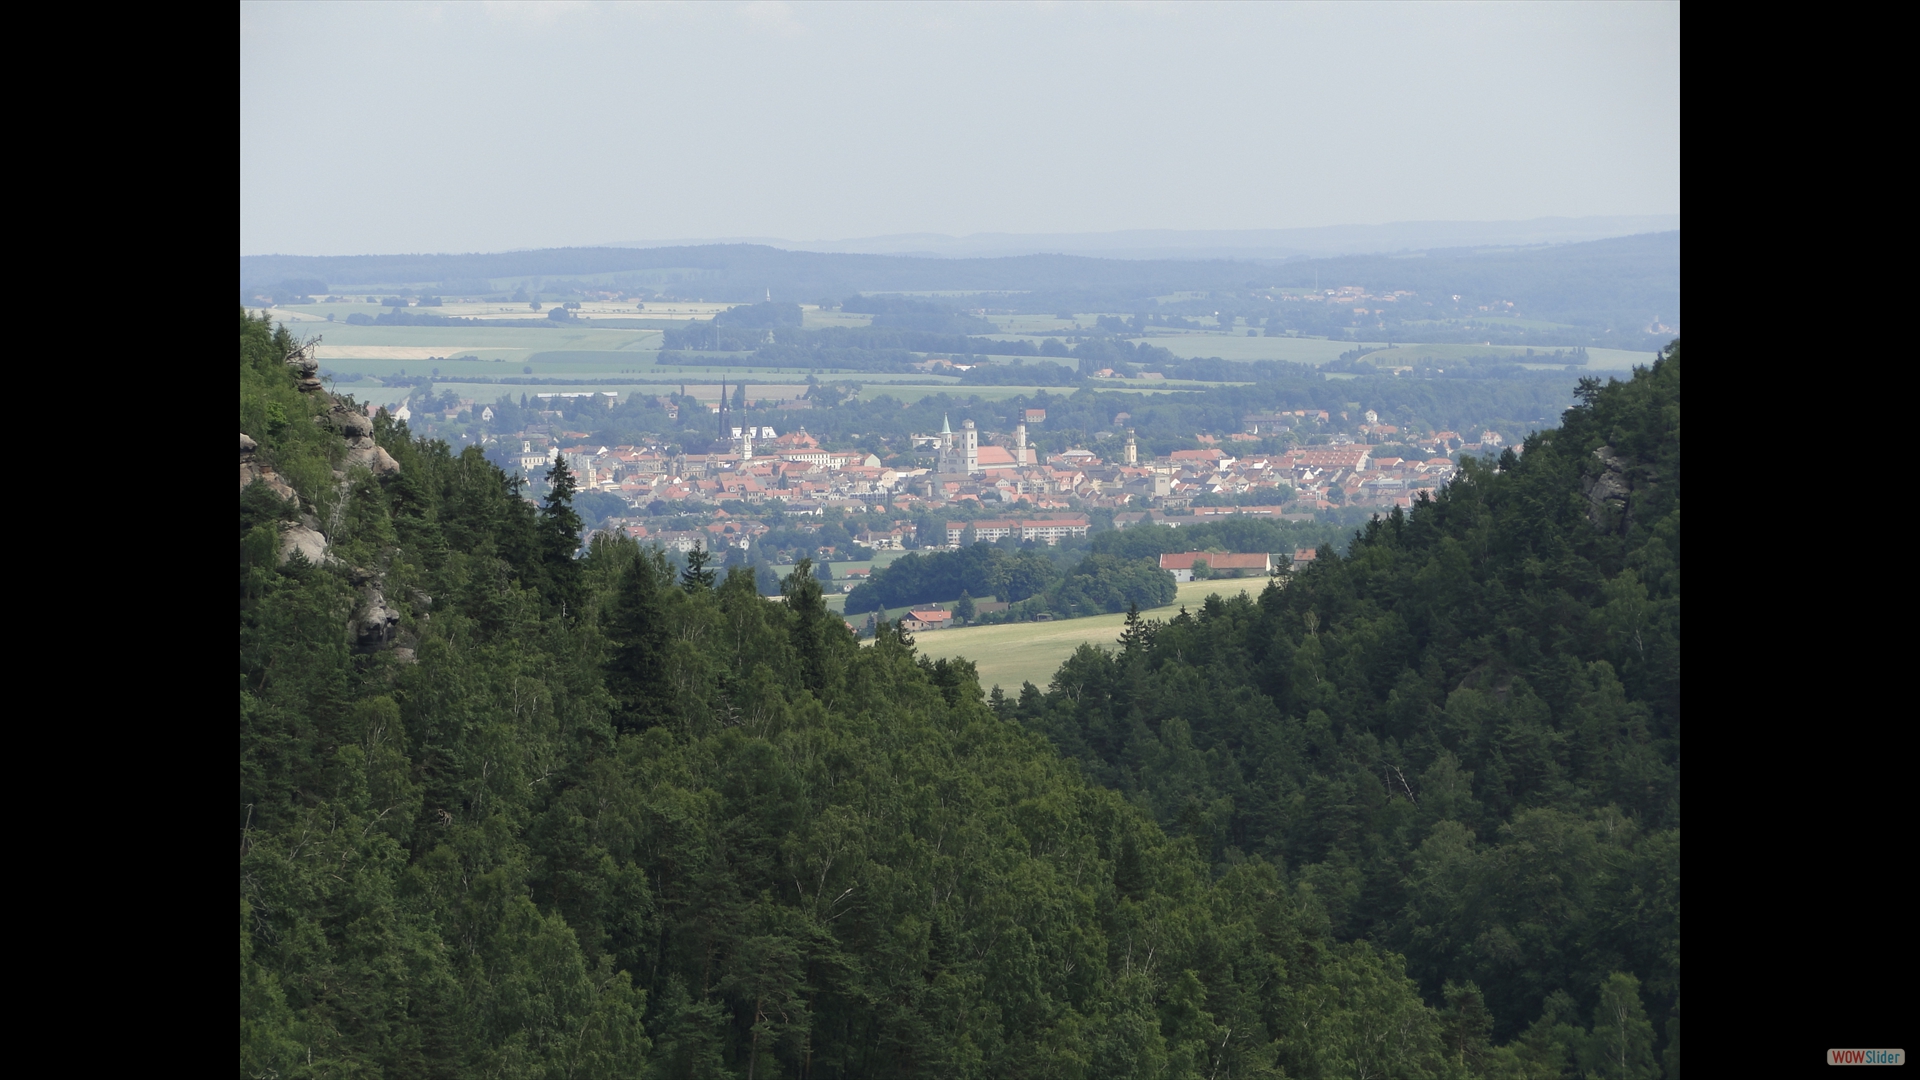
point(1463, 738)
point(505, 811)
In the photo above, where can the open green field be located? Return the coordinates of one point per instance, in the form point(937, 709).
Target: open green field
point(880, 558)
point(1238, 346)
point(676, 311)
point(496, 364)
point(703, 384)
point(1524, 324)
point(472, 358)
point(571, 351)
point(1031, 652)
point(486, 393)
point(837, 601)
point(912, 392)
point(1608, 359)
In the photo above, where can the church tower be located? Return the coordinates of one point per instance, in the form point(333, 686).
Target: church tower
point(970, 446)
point(1020, 442)
point(943, 456)
point(1133, 450)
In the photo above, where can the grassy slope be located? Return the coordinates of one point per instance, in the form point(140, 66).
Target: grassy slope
point(1032, 652)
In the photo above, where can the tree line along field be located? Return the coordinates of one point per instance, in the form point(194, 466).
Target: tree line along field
point(1016, 653)
point(384, 364)
point(484, 362)
point(516, 344)
point(583, 351)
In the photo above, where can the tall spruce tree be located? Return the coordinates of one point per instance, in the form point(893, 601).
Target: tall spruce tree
point(811, 624)
point(697, 575)
point(560, 534)
point(636, 628)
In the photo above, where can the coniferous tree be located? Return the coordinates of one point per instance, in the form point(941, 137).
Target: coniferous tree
point(636, 627)
point(811, 624)
point(696, 575)
point(1136, 635)
point(560, 533)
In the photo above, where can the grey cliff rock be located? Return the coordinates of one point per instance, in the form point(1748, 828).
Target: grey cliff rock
point(1609, 493)
point(252, 471)
point(378, 622)
point(305, 539)
point(306, 369)
point(355, 427)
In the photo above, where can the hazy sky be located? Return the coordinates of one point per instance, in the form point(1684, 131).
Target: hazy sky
point(481, 127)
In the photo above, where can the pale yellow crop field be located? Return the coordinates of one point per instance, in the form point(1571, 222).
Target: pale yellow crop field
point(290, 316)
point(1031, 652)
point(400, 352)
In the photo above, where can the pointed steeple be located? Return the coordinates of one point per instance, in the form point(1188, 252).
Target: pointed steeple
point(945, 427)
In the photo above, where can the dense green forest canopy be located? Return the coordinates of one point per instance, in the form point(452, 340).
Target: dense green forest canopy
point(506, 809)
point(1464, 734)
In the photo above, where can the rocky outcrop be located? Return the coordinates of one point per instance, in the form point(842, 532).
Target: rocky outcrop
point(302, 537)
point(362, 451)
point(376, 624)
point(251, 471)
point(375, 459)
point(306, 368)
point(1609, 492)
point(306, 540)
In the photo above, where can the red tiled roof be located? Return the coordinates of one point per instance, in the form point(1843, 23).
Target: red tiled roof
point(1341, 457)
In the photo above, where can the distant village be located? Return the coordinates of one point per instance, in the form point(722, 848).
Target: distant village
point(997, 485)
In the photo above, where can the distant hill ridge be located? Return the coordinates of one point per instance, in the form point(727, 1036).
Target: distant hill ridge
point(1267, 244)
point(1590, 281)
